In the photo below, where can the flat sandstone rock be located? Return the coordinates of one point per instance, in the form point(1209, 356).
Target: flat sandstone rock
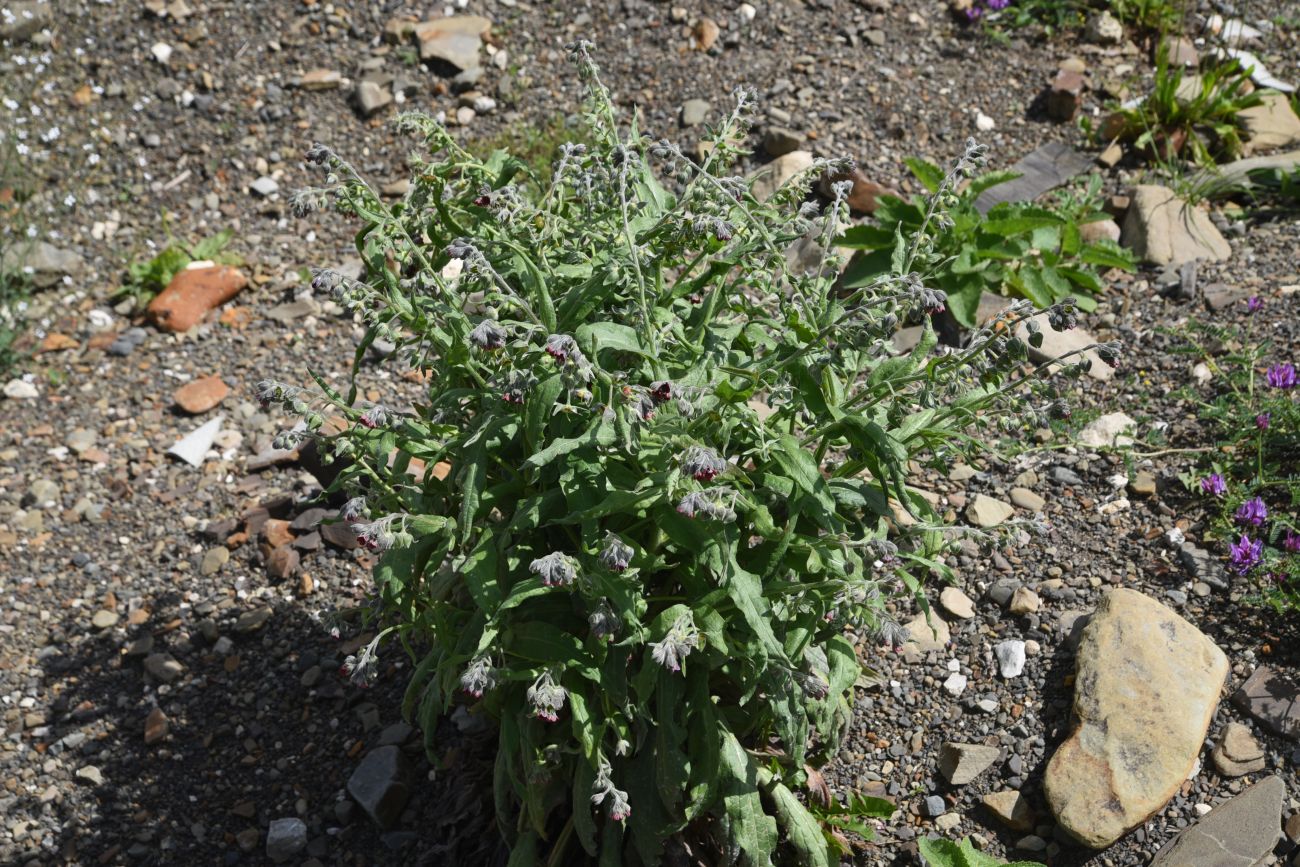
point(1146, 685)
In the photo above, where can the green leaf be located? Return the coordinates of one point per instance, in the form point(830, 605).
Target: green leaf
point(866, 237)
point(1105, 253)
point(946, 853)
point(930, 175)
point(539, 408)
point(751, 832)
point(480, 573)
point(598, 336)
point(524, 852)
point(988, 181)
point(584, 826)
point(898, 259)
point(798, 464)
point(601, 433)
point(801, 829)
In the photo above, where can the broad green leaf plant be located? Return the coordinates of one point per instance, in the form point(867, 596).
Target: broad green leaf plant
point(1018, 248)
point(678, 495)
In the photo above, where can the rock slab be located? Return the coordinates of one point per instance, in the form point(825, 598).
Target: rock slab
point(1273, 699)
point(1057, 344)
point(381, 785)
point(1146, 685)
point(1240, 831)
point(1162, 229)
point(961, 763)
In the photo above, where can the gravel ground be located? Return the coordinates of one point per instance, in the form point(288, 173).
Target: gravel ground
point(116, 601)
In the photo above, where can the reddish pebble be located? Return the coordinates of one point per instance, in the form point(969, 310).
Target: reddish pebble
point(192, 293)
point(201, 395)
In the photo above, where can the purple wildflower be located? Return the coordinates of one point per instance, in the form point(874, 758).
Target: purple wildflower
point(1254, 304)
point(1252, 512)
point(1262, 420)
point(1245, 555)
point(1291, 542)
point(1281, 375)
point(1214, 484)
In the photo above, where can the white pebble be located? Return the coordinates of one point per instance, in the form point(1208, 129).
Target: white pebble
point(161, 51)
point(983, 122)
point(955, 685)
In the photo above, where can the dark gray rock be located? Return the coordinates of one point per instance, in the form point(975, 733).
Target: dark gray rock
point(1241, 831)
point(1273, 699)
point(380, 785)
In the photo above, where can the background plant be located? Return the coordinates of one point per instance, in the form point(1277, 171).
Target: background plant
point(946, 853)
point(1190, 116)
point(1017, 248)
point(147, 278)
point(15, 283)
point(1252, 477)
point(675, 470)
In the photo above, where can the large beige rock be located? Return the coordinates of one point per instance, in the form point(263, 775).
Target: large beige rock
point(1164, 230)
point(769, 178)
point(1146, 685)
point(1271, 124)
point(1057, 344)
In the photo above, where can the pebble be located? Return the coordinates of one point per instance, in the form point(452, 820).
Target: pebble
point(201, 395)
point(251, 621)
point(1011, 657)
point(21, 389)
point(104, 619)
point(957, 603)
point(264, 186)
point(1024, 601)
point(163, 667)
point(90, 775)
point(156, 726)
point(1027, 499)
point(694, 111)
point(285, 838)
point(934, 806)
point(213, 560)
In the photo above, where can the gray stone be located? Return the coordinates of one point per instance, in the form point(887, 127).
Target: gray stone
point(213, 560)
point(1065, 476)
point(264, 186)
point(90, 775)
point(928, 636)
point(163, 667)
point(1237, 753)
point(1104, 29)
point(933, 806)
point(961, 763)
point(1162, 229)
point(1241, 831)
point(371, 97)
point(21, 389)
point(1272, 698)
point(104, 619)
point(1003, 589)
point(1011, 809)
point(984, 511)
point(46, 263)
point(694, 112)
point(1011, 657)
point(285, 838)
point(1108, 430)
point(779, 141)
point(380, 785)
point(1058, 344)
point(1146, 685)
point(1203, 566)
point(20, 20)
point(251, 621)
point(957, 603)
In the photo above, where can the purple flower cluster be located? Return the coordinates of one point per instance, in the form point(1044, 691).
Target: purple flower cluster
point(1214, 484)
point(1254, 304)
point(977, 8)
point(1245, 555)
point(1281, 375)
point(1253, 512)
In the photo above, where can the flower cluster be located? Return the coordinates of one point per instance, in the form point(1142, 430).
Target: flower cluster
point(479, 676)
point(604, 789)
point(546, 697)
point(555, 569)
point(681, 639)
point(715, 504)
point(978, 8)
point(1281, 376)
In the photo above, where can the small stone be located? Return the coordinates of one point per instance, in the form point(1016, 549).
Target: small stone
point(247, 839)
point(1108, 430)
point(1237, 753)
point(779, 141)
point(933, 806)
point(1065, 95)
point(1143, 484)
point(955, 685)
point(928, 636)
point(90, 775)
point(21, 389)
point(161, 51)
point(163, 667)
point(1104, 29)
point(371, 97)
point(213, 560)
point(285, 838)
point(322, 79)
point(264, 186)
point(192, 293)
point(201, 395)
point(767, 179)
point(1011, 657)
point(380, 785)
point(156, 726)
point(1024, 601)
point(961, 763)
point(1031, 843)
point(957, 603)
point(104, 619)
point(984, 511)
point(251, 621)
point(694, 112)
point(1011, 809)
point(283, 562)
point(1027, 499)
point(706, 33)
point(455, 40)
